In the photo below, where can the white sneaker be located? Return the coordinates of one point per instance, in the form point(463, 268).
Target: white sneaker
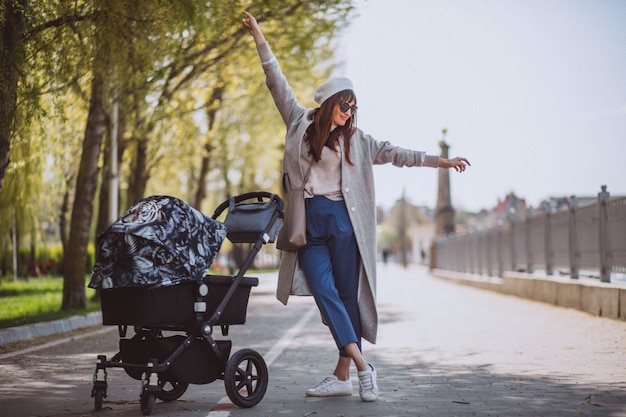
point(329, 387)
point(368, 389)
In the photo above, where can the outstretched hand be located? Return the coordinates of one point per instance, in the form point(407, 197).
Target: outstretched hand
point(458, 163)
point(250, 24)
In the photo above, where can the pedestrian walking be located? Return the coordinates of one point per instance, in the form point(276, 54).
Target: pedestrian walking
point(338, 264)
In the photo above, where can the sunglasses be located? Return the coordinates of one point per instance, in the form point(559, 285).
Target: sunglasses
point(344, 107)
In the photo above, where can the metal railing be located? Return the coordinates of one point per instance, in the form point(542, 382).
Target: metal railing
point(586, 240)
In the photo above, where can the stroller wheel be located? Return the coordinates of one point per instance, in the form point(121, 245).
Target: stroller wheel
point(245, 378)
point(146, 400)
point(171, 390)
point(98, 396)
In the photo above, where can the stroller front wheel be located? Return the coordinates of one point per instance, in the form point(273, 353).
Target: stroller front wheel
point(98, 398)
point(146, 400)
point(245, 378)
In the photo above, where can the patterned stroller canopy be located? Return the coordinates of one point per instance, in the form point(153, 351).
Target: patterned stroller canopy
point(159, 241)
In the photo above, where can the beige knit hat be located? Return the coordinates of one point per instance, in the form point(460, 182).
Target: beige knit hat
point(331, 87)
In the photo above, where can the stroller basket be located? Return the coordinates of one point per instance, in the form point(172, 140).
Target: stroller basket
point(196, 365)
point(174, 305)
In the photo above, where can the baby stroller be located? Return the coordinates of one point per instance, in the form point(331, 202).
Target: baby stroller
point(151, 268)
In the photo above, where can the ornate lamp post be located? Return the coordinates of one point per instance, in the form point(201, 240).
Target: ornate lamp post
point(444, 213)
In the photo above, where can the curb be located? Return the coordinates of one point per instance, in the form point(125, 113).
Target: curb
point(16, 334)
point(588, 295)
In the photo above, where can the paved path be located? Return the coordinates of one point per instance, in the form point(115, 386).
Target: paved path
point(444, 350)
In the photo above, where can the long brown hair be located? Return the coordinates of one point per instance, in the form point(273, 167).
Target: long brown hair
point(318, 133)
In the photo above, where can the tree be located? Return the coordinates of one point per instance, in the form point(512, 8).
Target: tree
point(169, 63)
point(212, 57)
point(110, 48)
point(40, 65)
point(86, 183)
point(12, 44)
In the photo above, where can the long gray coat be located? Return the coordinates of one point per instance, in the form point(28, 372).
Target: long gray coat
point(357, 185)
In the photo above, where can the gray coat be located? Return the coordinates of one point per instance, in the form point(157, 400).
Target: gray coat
point(357, 186)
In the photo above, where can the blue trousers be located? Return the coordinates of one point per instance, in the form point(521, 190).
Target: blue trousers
point(330, 260)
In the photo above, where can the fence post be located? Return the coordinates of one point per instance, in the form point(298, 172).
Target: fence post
point(480, 251)
point(488, 237)
point(512, 241)
point(529, 256)
point(499, 249)
point(470, 252)
point(462, 248)
point(548, 239)
point(605, 270)
point(573, 239)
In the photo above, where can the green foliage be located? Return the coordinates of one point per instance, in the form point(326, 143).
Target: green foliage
point(162, 61)
point(50, 253)
point(246, 138)
point(35, 300)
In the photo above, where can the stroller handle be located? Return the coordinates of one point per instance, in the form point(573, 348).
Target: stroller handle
point(258, 195)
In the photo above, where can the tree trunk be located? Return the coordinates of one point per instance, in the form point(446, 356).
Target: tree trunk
point(103, 202)
point(214, 102)
point(205, 166)
point(74, 295)
point(104, 218)
point(17, 243)
point(138, 180)
point(63, 211)
point(12, 21)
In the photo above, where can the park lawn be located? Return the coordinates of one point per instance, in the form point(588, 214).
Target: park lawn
point(36, 300)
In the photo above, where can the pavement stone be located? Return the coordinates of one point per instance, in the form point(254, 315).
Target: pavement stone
point(450, 350)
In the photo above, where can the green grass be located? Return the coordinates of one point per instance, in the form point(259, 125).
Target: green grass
point(36, 300)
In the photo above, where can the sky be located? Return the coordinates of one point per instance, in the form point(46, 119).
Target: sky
point(532, 92)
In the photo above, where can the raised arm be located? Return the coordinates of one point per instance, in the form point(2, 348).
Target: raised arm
point(282, 93)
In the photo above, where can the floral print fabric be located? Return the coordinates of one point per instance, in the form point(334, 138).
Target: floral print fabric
point(159, 241)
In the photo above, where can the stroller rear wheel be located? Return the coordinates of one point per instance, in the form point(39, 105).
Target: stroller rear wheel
point(171, 390)
point(245, 378)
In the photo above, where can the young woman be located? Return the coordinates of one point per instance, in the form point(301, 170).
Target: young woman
point(338, 264)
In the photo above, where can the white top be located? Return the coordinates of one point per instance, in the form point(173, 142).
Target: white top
point(325, 176)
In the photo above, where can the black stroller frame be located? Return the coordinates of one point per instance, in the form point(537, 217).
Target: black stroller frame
point(166, 365)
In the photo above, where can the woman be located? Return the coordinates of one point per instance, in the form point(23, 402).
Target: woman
point(338, 264)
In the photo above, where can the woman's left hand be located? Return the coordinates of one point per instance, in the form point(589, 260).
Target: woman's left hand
point(458, 163)
point(251, 25)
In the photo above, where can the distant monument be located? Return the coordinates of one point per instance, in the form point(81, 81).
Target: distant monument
point(444, 213)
